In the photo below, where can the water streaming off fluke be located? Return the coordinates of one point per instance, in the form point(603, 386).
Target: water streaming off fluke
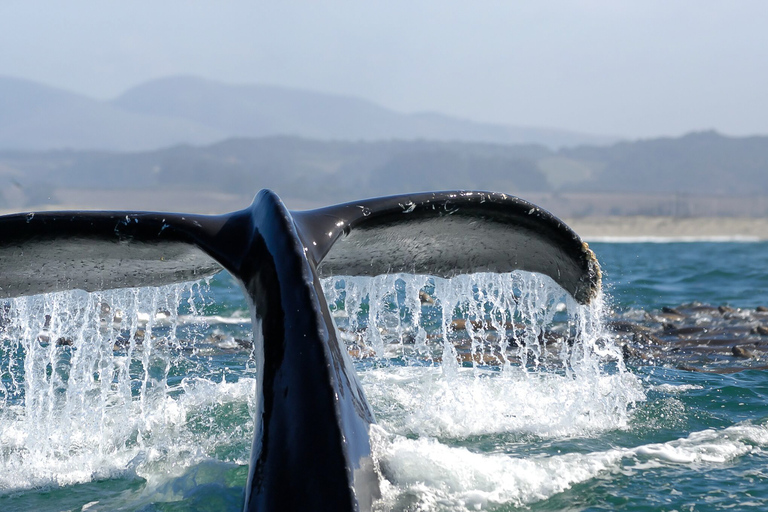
point(149, 383)
point(464, 372)
point(115, 383)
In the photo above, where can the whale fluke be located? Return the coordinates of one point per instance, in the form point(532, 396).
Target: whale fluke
point(445, 234)
point(311, 447)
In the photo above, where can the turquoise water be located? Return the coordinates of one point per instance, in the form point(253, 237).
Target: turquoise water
point(652, 275)
point(154, 412)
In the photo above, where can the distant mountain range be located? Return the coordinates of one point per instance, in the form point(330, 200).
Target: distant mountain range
point(188, 110)
point(209, 142)
point(726, 175)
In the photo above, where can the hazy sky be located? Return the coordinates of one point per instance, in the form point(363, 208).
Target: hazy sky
point(638, 69)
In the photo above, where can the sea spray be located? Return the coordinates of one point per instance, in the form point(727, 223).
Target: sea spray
point(699, 441)
point(98, 385)
point(483, 319)
point(433, 476)
point(483, 353)
point(481, 363)
point(128, 382)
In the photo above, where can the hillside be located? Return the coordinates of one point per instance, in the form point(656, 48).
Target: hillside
point(189, 110)
point(301, 169)
point(37, 117)
point(699, 174)
point(697, 163)
point(262, 110)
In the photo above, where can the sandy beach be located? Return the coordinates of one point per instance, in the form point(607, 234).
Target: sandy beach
point(640, 228)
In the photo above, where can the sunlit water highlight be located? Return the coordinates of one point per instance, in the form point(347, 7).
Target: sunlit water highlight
point(117, 385)
point(532, 364)
point(147, 404)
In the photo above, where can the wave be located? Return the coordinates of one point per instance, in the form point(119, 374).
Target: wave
point(442, 477)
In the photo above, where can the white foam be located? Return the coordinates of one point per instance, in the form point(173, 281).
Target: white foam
point(73, 454)
point(676, 388)
point(236, 319)
point(453, 478)
point(442, 477)
point(707, 446)
point(83, 409)
point(537, 383)
point(88, 410)
point(424, 401)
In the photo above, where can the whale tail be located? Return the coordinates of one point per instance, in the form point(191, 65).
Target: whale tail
point(311, 449)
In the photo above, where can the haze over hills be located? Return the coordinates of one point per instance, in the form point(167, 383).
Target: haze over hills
point(189, 110)
point(348, 148)
point(38, 117)
point(303, 169)
point(696, 163)
point(698, 174)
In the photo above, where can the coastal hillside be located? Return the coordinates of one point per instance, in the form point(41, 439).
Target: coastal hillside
point(38, 117)
point(703, 163)
point(190, 110)
point(699, 174)
point(310, 171)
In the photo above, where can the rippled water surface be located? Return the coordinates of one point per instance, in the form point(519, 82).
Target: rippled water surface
point(491, 392)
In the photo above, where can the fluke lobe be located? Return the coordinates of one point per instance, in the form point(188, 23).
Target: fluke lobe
point(311, 447)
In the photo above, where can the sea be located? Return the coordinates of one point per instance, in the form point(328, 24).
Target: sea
point(491, 392)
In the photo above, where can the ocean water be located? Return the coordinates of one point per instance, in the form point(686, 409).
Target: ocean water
point(491, 392)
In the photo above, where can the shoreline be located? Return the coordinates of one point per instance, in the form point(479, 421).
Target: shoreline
point(670, 229)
